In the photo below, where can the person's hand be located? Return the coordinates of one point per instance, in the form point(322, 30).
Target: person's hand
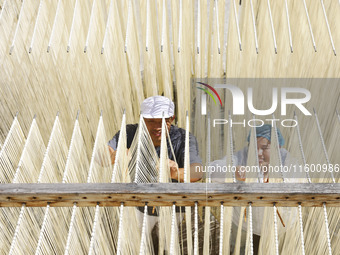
point(240, 173)
point(264, 166)
point(173, 169)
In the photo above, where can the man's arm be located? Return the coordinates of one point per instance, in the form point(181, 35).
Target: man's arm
point(176, 173)
point(112, 155)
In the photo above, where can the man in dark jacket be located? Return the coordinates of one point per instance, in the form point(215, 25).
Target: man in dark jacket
point(152, 110)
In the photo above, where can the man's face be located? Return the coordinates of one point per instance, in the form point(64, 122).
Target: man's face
point(263, 148)
point(155, 128)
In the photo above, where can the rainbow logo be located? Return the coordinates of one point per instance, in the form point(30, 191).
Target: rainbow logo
point(209, 93)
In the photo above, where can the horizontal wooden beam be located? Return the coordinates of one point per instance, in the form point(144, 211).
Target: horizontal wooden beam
point(165, 194)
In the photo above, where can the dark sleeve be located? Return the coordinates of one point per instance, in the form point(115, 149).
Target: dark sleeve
point(193, 150)
point(113, 143)
point(130, 134)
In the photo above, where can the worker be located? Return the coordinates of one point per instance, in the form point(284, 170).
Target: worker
point(152, 110)
point(263, 135)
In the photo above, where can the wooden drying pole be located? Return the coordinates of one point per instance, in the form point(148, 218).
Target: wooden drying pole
point(165, 194)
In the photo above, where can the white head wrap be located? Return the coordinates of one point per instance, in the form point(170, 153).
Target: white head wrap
point(153, 107)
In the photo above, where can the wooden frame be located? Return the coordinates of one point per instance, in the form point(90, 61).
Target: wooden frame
point(165, 194)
